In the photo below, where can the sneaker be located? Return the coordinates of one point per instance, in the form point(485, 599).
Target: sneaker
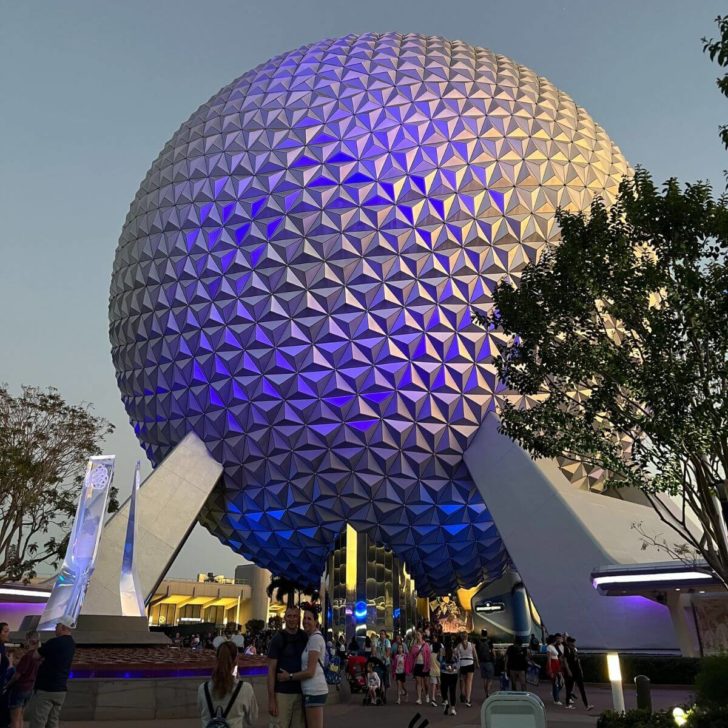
point(570, 707)
point(418, 701)
point(590, 707)
point(445, 706)
point(398, 701)
point(433, 703)
point(557, 702)
point(469, 704)
point(452, 711)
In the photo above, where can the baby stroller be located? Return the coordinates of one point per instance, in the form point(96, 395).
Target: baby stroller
point(380, 668)
point(356, 673)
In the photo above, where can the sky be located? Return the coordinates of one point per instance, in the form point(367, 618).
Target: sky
point(91, 90)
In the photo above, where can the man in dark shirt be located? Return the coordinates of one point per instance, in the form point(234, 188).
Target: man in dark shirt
point(50, 683)
point(574, 675)
point(285, 702)
point(516, 664)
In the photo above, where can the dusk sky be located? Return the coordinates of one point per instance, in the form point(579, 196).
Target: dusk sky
point(90, 92)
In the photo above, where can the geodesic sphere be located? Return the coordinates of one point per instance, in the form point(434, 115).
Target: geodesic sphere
point(295, 282)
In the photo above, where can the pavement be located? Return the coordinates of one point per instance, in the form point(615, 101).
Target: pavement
point(354, 715)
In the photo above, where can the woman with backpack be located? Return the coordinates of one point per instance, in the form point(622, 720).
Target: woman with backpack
point(225, 701)
point(311, 675)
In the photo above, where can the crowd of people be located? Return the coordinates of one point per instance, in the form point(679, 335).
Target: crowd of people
point(42, 672)
point(300, 664)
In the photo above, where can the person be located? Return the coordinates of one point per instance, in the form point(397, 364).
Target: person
point(373, 684)
point(20, 685)
point(224, 695)
point(226, 636)
point(486, 657)
point(353, 646)
point(449, 669)
point(5, 672)
point(534, 645)
point(383, 652)
point(285, 701)
point(51, 682)
point(435, 649)
point(311, 670)
point(399, 668)
point(419, 657)
point(250, 650)
point(516, 664)
point(553, 667)
point(341, 650)
point(467, 659)
point(4, 659)
point(575, 674)
point(367, 647)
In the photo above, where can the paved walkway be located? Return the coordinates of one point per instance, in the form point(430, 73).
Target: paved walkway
point(354, 715)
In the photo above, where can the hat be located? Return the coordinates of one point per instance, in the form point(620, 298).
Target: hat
point(66, 621)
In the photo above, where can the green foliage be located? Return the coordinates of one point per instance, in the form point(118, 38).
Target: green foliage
point(697, 717)
point(254, 626)
point(636, 719)
point(715, 716)
point(44, 445)
point(660, 670)
point(621, 333)
point(718, 52)
point(285, 591)
point(712, 681)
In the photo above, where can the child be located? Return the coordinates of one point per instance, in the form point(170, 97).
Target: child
point(399, 662)
point(373, 683)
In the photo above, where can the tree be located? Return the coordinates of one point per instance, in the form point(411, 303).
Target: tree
point(44, 445)
point(285, 591)
point(620, 332)
point(718, 52)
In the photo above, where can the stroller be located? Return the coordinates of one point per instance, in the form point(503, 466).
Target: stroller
point(380, 668)
point(356, 673)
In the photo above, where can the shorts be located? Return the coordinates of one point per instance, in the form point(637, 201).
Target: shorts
point(487, 670)
point(420, 671)
point(401, 677)
point(434, 679)
point(467, 669)
point(315, 701)
point(18, 698)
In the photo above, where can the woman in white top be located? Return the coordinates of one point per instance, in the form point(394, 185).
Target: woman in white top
point(468, 660)
point(313, 681)
point(225, 695)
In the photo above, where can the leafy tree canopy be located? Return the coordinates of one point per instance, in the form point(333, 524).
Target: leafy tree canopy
point(620, 333)
point(44, 446)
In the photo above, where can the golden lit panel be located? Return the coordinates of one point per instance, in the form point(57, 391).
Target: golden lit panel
point(351, 547)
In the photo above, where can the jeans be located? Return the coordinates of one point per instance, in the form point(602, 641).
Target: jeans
point(556, 683)
point(448, 683)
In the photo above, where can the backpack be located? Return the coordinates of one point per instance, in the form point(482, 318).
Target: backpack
point(219, 716)
point(332, 669)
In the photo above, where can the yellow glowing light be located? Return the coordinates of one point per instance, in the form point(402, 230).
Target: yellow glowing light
point(613, 668)
point(350, 562)
point(679, 716)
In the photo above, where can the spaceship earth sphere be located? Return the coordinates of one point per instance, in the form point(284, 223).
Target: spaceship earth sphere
point(295, 282)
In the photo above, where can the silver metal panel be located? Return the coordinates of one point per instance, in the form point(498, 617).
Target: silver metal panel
point(168, 505)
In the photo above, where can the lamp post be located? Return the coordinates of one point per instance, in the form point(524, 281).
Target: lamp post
point(615, 678)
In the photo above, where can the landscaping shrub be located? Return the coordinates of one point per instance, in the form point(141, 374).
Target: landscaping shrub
point(711, 682)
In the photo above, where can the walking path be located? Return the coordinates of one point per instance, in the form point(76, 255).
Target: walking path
point(354, 715)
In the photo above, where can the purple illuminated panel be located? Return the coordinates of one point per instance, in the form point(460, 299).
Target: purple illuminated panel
point(118, 673)
point(295, 283)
